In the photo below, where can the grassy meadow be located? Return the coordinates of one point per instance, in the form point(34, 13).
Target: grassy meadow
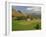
point(26, 19)
point(26, 25)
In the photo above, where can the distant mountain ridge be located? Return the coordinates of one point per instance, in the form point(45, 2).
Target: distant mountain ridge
point(16, 13)
point(20, 13)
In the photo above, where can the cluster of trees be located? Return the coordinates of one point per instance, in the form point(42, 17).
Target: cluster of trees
point(24, 17)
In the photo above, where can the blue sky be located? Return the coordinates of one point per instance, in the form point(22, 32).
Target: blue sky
point(23, 8)
point(27, 9)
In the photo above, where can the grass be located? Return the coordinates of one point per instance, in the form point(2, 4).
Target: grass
point(26, 25)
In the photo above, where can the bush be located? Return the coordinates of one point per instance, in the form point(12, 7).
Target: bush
point(37, 26)
point(20, 18)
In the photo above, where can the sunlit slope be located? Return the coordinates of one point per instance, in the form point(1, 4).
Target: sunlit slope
point(16, 13)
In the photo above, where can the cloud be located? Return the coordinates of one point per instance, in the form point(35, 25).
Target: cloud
point(36, 9)
point(29, 8)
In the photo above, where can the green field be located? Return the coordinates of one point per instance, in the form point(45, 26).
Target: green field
point(26, 25)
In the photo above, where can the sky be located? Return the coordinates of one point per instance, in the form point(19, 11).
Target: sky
point(28, 9)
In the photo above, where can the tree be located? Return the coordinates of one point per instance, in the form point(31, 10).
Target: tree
point(19, 11)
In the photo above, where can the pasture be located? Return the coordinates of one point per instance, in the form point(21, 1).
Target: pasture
point(26, 25)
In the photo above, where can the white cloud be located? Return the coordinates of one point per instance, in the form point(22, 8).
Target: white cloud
point(29, 8)
point(33, 9)
point(36, 9)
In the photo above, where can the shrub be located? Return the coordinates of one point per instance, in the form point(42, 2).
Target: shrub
point(38, 26)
